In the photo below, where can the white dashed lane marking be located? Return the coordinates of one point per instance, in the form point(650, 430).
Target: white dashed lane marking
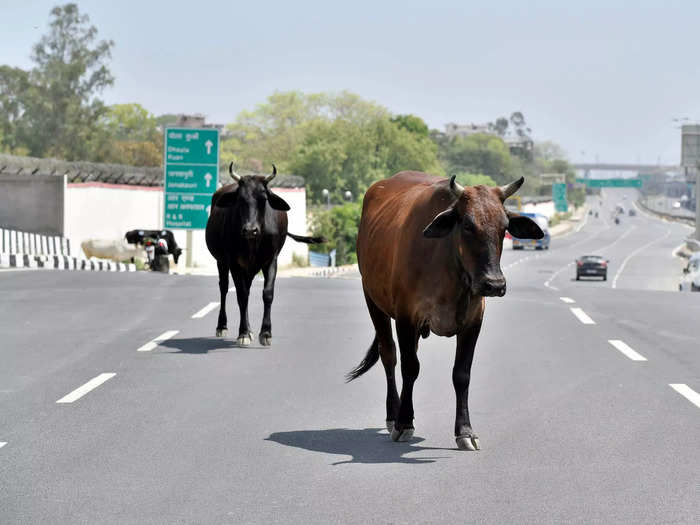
point(153, 343)
point(204, 311)
point(87, 387)
point(567, 300)
point(3, 443)
point(582, 316)
point(687, 392)
point(626, 350)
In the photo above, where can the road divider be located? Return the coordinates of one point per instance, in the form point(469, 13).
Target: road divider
point(204, 311)
point(687, 392)
point(626, 350)
point(582, 316)
point(87, 387)
point(153, 343)
point(567, 300)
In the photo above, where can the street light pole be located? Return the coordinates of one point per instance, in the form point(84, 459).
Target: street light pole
point(327, 195)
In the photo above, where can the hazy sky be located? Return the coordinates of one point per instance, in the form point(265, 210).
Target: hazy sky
point(601, 77)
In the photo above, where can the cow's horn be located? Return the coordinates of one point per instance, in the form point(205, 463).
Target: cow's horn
point(510, 189)
point(235, 176)
point(269, 178)
point(456, 187)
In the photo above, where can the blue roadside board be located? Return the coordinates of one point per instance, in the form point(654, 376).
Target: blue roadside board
point(191, 172)
point(559, 196)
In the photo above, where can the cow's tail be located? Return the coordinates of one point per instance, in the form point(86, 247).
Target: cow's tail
point(307, 240)
point(368, 362)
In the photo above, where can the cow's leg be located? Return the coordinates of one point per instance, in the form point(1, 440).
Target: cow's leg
point(221, 325)
point(408, 346)
point(387, 352)
point(242, 292)
point(466, 341)
point(270, 272)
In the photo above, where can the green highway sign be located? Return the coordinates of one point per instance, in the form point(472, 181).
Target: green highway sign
point(191, 170)
point(611, 183)
point(559, 196)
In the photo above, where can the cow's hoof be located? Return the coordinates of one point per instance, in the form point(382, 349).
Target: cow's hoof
point(221, 332)
point(266, 339)
point(402, 435)
point(468, 442)
point(390, 425)
point(244, 340)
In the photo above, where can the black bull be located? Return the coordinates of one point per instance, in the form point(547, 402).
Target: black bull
point(245, 233)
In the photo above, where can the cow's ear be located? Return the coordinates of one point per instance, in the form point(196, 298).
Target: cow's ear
point(226, 200)
point(442, 224)
point(523, 227)
point(277, 202)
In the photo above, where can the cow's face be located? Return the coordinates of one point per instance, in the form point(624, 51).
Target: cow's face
point(249, 201)
point(477, 222)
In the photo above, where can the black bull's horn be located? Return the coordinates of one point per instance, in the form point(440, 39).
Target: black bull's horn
point(235, 176)
point(269, 178)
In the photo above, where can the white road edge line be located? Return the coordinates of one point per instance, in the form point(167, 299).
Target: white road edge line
point(567, 300)
point(153, 343)
point(626, 350)
point(204, 311)
point(3, 443)
point(635, 252)
point(87, 387)
point(582, 316)
point(687, 392)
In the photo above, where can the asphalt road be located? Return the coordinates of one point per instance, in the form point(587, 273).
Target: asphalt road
point(196, 430)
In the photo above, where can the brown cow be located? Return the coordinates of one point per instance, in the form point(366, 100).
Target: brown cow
point(429, 251)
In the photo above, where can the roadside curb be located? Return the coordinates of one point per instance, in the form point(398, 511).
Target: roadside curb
point(61, 262)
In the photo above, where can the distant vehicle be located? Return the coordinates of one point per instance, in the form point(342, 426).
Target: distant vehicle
point(677, 204)
point(537, 244)
point(590, 212)
point(620, 209)
point(596, 215)
point(632, 212)
point(591, 266)
point(617, 220)
point(691, 280)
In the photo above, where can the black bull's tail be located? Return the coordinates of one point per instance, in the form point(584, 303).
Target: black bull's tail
point(368, 362)
point(307, 240)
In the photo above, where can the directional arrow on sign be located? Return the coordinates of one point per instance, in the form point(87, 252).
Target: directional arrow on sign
point(208, 144)
point(209, 210)
point(207, 178)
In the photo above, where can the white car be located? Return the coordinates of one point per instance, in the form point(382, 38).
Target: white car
point(691, 278)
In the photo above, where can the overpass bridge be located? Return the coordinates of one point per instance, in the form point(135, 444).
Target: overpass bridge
point(638, 168)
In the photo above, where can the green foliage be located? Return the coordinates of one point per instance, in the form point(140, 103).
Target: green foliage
point(339, 226)
point(470, 179)
point(53, 109)
point(127, 134)
point(337, 142)
point(480, 153)
point(411, 123)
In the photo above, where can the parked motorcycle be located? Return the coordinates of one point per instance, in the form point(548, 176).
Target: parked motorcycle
point(157, 254)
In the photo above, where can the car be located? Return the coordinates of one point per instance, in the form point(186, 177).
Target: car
point(632, 212)
point(538, 244)
point(592, 266)
point(691, 278)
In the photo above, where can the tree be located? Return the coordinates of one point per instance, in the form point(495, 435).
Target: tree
point(471, 179)
point(14, 84)
point(480, 153)
point(70, 70)
point(127, 134)
point(411, 123)
point(339, 226)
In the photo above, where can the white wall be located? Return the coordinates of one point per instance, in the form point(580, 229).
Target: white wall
point(97, 210)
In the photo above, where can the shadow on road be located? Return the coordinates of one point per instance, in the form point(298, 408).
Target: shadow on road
point(365, 446)
point(201, 345)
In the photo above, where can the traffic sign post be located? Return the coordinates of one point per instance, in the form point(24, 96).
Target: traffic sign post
point(191, 173)
point(559, 196)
